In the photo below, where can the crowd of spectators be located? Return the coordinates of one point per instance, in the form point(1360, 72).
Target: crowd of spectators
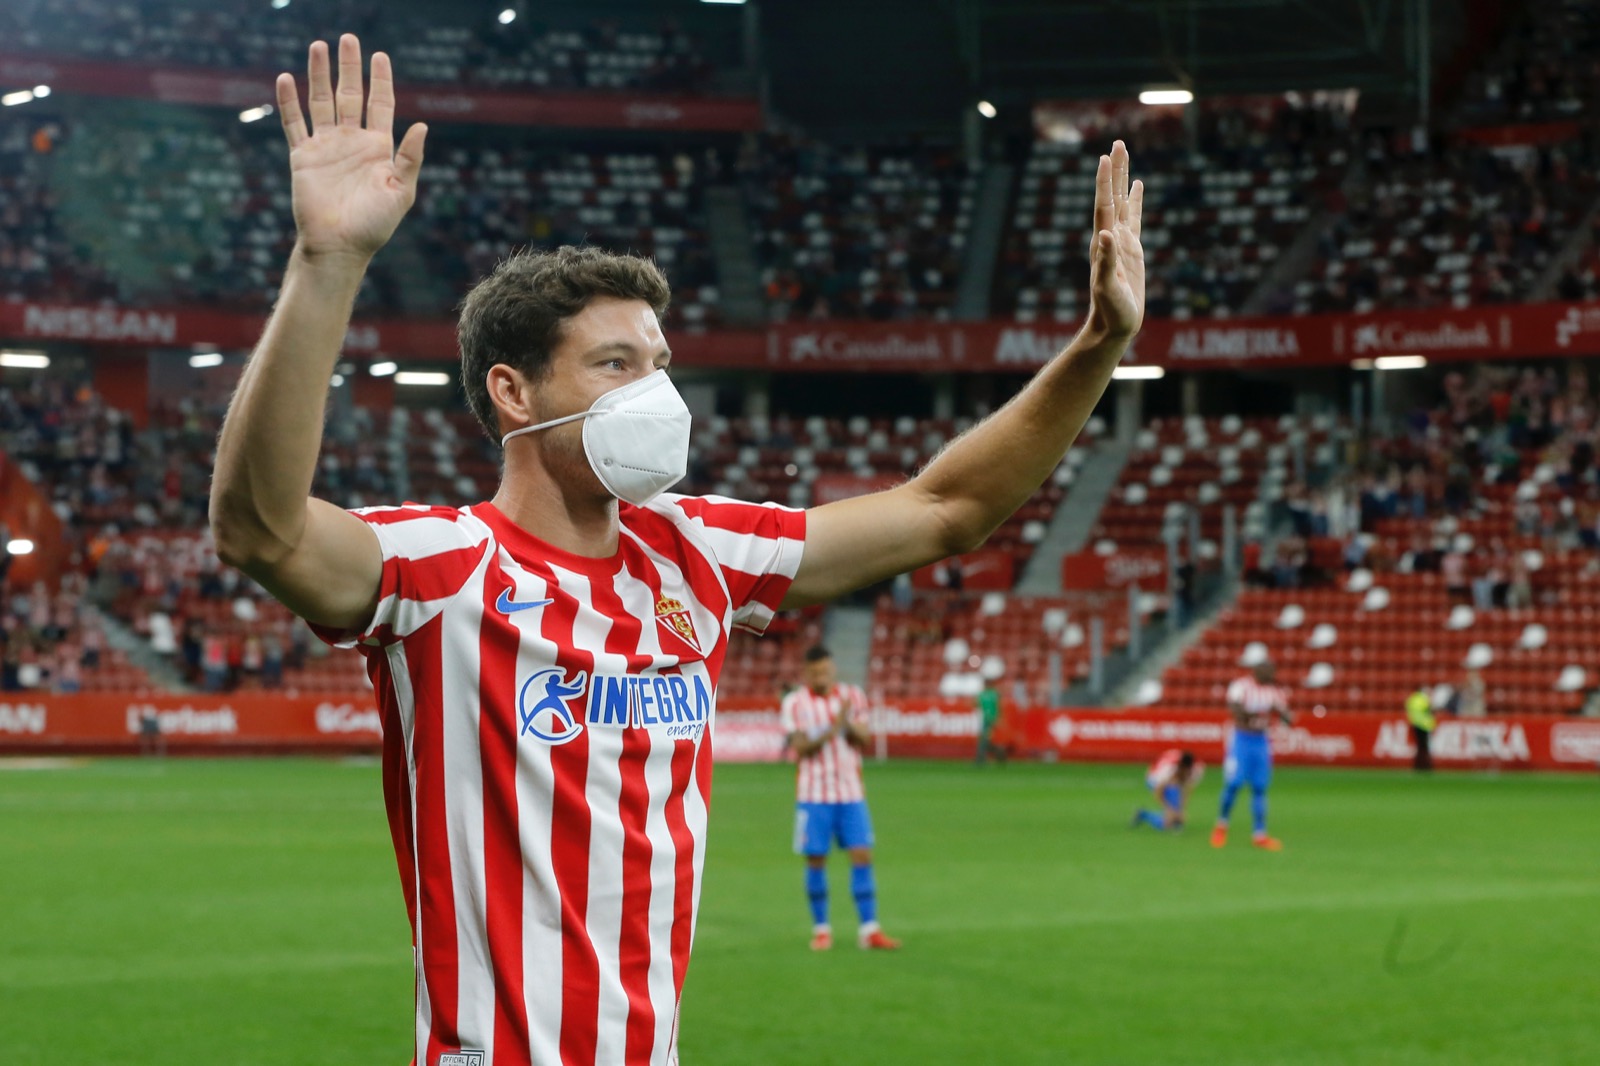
point(437, 45)
point(856, 232)
point(1504, 460)
point(1545, 68)
point(138, 204)
point(189, 208)
point(132, 504)
point(1225, 193)
point(1445, 223)
point(48, 640)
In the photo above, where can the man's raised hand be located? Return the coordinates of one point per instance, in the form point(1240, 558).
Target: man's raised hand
point(1116, 258)
point(351, 187)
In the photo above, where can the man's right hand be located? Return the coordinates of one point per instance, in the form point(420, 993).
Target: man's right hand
point(351, 187)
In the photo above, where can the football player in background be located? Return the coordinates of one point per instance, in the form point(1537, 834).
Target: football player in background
point(1254, 701)
point(1171, 777)
point(826, 727)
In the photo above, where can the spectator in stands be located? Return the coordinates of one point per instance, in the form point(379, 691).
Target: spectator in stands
point(1488, 588)
point(1289, 563)
point(1519, 586)
point(272, 659)
point(214, 662)
point(1453, 568)
point(1183, 591)
point(1470, 701)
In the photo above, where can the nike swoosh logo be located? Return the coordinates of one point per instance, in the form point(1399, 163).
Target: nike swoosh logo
point(505, 605)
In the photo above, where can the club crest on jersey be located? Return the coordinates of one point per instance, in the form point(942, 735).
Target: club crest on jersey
point(678, 706)
point(673, 616)
point(543, 706)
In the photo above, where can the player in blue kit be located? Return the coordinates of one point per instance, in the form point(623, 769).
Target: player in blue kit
point(1253, 701)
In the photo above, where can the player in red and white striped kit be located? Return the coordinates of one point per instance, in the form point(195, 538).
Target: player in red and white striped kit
point(825, 724)
point(547, 661)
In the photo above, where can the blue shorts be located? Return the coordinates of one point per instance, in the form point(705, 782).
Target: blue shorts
point(1170, 795)
point(817, 825)
point(1249, 761)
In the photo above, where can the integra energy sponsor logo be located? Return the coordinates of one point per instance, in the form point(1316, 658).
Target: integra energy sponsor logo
point(1234, 342)
point(22, 718)
point(99, 324)
point(186, 720)
point(837, 346)
point(1457, 742)
point(554, 708)
point(344, 718)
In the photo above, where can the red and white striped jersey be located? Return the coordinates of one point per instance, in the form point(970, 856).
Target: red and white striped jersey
point(833, 774)
point(1257, 699)
point(548, 723)
point(1164, 771)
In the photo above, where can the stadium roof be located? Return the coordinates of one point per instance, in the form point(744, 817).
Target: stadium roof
point(923, 57)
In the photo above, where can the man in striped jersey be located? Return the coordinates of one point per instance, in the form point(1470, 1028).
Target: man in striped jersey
point(1171, 778)
point(547, 661)
point(826, 727)
point(1253, 701)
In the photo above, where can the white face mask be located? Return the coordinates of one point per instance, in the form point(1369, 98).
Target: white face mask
point(636, 438)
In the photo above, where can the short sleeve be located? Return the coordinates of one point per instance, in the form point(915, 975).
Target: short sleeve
point(428, 555)
point(786, 720)
point(757, 547)
point(1236, 691)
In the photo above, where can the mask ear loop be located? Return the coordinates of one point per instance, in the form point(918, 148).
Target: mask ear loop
point(653, 383)
point(546, 425)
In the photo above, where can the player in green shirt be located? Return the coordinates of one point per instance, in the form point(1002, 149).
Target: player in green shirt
point(989, 717)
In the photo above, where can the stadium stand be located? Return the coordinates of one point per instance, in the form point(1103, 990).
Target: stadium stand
point(858, 232)
point(217, 193)
point(1448, 224)
point(840, 231)
point(539, 50)
point(1206, 465)
point(1542, 71)
point(482, 199)
point(1220, 208)
point(948, 644)
point(1470, 549)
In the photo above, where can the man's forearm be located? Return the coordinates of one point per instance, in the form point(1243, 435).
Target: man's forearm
point(982, 478)
point(267, 453)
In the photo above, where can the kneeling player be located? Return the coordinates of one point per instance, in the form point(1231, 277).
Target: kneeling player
point(1171, 777)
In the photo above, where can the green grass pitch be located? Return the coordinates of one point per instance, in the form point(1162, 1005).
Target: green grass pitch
point(248, 911)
